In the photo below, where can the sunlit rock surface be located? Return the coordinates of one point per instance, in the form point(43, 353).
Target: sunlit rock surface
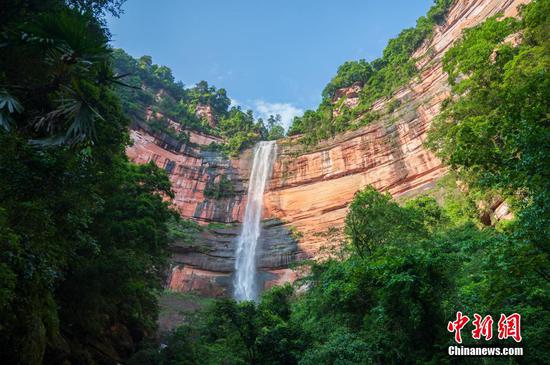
point(190, 170)
point(310, 190)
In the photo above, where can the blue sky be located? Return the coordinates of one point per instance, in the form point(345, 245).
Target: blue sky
point(271, 56)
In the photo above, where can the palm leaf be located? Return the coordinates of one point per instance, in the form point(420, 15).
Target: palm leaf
point(5, 120)
point(72, 108)
point(9, 102)
point(83, 125)
point(8, 105)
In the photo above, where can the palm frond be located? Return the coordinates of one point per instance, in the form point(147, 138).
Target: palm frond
point(48, 142)
point(6, 120)
point(9, 102)
point(69, 38)
point(83, 125)
point(8, 105)
point(74, 109)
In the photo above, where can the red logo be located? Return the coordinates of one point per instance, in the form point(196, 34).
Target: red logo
point(457, 325)
point(508, 326)
point(482, 327)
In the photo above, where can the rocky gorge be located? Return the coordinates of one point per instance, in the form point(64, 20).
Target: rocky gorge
point(306, 198)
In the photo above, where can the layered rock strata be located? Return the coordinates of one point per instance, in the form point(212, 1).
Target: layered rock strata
point(311, 188)
point(191, 169)
point(208, 264)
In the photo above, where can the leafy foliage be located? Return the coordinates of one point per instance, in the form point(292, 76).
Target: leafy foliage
point(496, 130)
point(153, 86)
point(218, 188)
point(235, 333)
point(387, 299)
point(370, 222)
point(182, 230)
point(407, 269)
point(379, 78)
point(348, 73)
point(239, 130)
point(83, 233)
point(275, 130)
point(153, 90)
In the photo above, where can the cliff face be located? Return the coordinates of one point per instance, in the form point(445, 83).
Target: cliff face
point(191, 169)
point(310, 189)
point(208, 265)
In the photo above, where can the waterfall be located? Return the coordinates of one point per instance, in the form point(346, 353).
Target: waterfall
point(245, 263)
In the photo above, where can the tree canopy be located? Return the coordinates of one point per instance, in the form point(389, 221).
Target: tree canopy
point(407, 267)
point(154, 90)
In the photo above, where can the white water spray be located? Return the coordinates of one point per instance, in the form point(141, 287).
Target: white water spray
point(245, 263)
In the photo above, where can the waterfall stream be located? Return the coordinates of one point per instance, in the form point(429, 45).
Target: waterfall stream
point(245, 263)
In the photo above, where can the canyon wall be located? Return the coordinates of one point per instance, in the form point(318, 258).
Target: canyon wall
point(191, 168)
point(206, 265)
point(310, 189)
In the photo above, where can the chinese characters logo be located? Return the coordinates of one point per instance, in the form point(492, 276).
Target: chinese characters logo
point(508, 327)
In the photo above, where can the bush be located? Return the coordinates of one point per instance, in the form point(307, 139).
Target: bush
point(220, 188)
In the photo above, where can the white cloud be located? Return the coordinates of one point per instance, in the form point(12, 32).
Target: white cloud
point(235, 103)
point(287, 111)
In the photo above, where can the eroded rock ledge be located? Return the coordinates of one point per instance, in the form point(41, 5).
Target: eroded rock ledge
point(208, 264)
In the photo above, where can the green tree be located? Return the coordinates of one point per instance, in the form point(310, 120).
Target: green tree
point(83, 231)
point(371, 221)
point(348, 73)
point(274, 127)
point(496, 129)
point(377, 79)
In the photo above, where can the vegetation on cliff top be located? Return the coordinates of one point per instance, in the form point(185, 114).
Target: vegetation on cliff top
point(153, 90)
point(379, 78)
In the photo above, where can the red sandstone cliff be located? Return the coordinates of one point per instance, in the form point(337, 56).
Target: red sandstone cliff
point(190, 170)
point(310, 190)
